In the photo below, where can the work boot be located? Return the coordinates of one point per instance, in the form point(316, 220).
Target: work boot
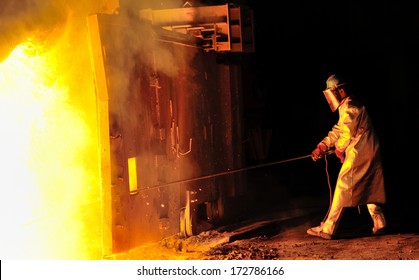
point(318, 231)
point(379, 224)
point(378, 219)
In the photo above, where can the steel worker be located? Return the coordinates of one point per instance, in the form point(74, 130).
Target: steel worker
point(360, 180)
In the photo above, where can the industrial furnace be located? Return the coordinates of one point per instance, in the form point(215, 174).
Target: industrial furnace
point(169, 101)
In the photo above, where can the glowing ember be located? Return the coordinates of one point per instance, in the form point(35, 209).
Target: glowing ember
point(50, 196)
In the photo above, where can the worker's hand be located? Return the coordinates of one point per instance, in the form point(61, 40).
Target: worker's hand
point(340, 155)
point(319, 152)
point(316, 154)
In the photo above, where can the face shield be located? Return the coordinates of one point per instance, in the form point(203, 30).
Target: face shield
point(332, 93)
point(333, 98)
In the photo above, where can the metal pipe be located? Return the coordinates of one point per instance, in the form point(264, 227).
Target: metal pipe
point(224, 173)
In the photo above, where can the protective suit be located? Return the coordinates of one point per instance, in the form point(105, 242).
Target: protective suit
point(360, 180)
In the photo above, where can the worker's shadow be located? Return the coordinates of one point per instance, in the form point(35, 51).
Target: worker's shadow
point(357, 223)
point(271, 227)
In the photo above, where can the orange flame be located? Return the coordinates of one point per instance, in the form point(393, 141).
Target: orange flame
point(50, 197)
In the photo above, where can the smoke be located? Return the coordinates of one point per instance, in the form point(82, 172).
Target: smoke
point(42, 20)
point(20, 19)
point(136, 5)
point(135, 43)
point(45, 20)
point(39, 18)
point(141, 39)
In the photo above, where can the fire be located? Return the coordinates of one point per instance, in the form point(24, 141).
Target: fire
point(50, 197)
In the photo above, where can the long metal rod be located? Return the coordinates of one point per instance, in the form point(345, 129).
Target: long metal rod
point(223, 173)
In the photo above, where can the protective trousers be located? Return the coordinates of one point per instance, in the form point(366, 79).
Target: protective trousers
point(335, 214)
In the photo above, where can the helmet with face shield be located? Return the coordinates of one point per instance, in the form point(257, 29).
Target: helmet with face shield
point(333, 93)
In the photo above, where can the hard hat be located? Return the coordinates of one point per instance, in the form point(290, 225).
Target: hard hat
point(334, 81)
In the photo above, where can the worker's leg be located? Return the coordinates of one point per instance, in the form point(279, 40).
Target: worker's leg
point(328, 228)
point(378, 218)
point(332, 220)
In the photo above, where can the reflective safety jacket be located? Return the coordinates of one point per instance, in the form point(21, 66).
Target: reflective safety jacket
point(360, 180)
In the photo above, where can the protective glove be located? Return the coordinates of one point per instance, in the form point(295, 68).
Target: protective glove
point(319, 152)
point(340, 155)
